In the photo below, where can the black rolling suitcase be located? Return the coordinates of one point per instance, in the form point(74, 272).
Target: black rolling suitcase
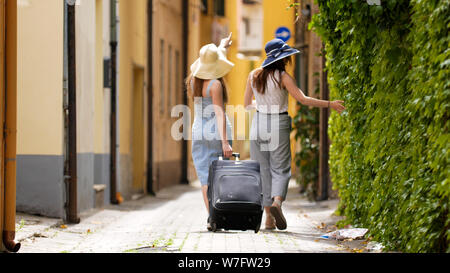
point(235, 195)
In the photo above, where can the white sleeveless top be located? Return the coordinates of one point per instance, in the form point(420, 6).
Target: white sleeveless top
point(274, 100)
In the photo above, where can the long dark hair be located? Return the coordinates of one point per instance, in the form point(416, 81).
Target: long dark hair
point(198, 87)
point(261, 76)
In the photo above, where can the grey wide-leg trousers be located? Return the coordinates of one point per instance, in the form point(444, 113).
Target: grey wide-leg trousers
point(270, 146)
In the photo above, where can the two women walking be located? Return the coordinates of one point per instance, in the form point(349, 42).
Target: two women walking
point(270, 145)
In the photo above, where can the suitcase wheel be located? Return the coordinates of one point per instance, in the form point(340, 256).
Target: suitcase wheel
point(213, 226)
point(257, 228)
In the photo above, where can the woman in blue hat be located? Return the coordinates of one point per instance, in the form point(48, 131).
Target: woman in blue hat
point(271, 127)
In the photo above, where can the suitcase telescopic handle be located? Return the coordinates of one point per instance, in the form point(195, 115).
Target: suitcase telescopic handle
point(235, 155)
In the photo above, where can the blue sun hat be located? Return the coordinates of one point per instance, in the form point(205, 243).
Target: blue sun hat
point(276, 50)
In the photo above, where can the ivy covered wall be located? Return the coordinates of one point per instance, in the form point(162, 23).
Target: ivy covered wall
point(390, 149)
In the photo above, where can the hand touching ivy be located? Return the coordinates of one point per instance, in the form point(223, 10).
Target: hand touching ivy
point(337, 105)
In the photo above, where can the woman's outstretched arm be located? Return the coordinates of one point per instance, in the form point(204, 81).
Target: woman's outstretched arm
point(298, 94)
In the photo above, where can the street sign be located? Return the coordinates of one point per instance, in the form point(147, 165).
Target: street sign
point(283, 33)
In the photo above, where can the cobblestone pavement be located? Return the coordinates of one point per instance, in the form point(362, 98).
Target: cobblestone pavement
point(175, 221)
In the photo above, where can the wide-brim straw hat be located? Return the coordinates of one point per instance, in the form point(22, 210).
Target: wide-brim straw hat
point(276, 50)
point(212, 64)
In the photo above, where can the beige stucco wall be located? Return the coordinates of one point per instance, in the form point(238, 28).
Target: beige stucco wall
point(40, 77)
point(99, 111)
point(40, 62)
point(86, 75)
point(102, 108)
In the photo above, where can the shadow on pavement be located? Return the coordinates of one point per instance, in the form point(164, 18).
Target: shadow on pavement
point(149, 202)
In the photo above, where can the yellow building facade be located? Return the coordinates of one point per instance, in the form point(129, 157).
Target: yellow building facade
point(146, 93)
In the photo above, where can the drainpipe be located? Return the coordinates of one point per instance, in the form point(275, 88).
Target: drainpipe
point(72, 216)
point(113, 125)
point(150, 98)
point(184, 160)
point(9, 230)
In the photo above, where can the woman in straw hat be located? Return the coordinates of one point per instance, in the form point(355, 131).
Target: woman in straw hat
point(211, 131)
point(271, 86)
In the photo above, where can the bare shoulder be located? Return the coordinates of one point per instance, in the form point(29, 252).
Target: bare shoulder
point(216, 87)
point(285, 76)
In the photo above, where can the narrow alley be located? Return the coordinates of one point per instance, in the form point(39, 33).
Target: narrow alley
point(175, 221)
point(114, 112)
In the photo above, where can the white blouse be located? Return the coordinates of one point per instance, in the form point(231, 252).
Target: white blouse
point(275, 100)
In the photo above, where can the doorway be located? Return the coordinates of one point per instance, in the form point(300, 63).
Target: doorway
point(138, 140)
